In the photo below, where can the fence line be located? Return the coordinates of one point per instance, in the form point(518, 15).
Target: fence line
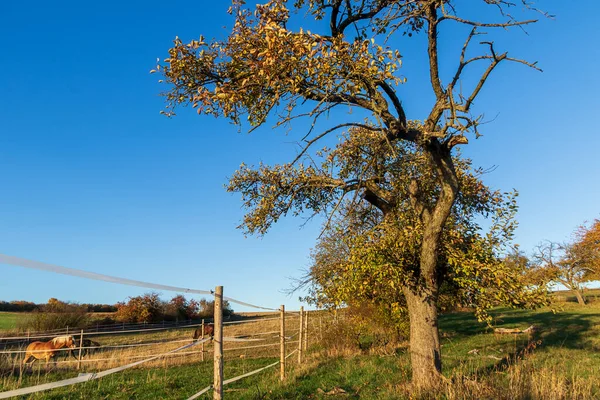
point(113, 346)
point(85, 377)
point(125, 331)
point(231, 380)
point(181, 353)
point(116, 332)
point(200, 393)
point(234, 339)
point(22, 262)
point(251, 347)
point(92, 329)
point(249, 320)
point(218, 338)
point(262, 333)
point(291, 354)
point(237, 378)
point(229, 299)
point(118, 346)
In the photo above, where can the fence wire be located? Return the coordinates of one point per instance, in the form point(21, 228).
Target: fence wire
point(88, 376)
point(41, 266)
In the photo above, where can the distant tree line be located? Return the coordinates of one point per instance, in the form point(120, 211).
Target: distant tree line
point(28, 306)
point(148, 307)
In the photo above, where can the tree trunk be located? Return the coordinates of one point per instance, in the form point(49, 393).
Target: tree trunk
point(579, 296)
point(425, 352)
point(574, 287)
point(422, 299)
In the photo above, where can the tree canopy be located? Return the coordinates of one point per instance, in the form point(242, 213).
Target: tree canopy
point(366, 255)
point(399, 169)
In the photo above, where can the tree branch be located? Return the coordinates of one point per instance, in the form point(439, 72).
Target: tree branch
point(484, 24)
point(323, 134)
point(433, 51)
point(395, 101)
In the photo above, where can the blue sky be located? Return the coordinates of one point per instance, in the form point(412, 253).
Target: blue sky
point(93, 177)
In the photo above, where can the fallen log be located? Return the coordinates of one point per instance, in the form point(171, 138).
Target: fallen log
point(514, 331)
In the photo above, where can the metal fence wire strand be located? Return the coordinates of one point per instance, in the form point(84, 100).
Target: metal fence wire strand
point(137, 328)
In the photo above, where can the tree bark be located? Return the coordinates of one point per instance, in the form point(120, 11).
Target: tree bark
point(575, 288)
point(425, 354)
point(423, 297)
point(579, 296)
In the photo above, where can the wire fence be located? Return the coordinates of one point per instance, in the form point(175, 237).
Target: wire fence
point(119, 352)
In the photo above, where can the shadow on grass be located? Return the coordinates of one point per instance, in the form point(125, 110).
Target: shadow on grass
point(570, 329)
point(564, 329)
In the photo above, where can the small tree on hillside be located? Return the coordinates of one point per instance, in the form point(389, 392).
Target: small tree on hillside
point(181, 308)
point(57, 306)
point(268, 68)
point(146, 308)
point(572, 263)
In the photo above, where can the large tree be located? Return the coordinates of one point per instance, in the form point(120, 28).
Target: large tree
point(267, 69)
point(364, 256)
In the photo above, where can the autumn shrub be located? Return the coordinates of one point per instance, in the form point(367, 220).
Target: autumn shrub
point(364, 329)
point(55, 314)
point(42, 321)
point(146, 308)
point(180, 308)
point(150, 308)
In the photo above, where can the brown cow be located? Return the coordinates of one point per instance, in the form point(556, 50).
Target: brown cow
point(209, 330)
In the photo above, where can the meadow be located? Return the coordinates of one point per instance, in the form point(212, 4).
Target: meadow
point(8, 320)
point(560, 360)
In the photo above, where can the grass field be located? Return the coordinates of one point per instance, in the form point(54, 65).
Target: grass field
point(560, 361)
point(164, 378)
point(8, 320)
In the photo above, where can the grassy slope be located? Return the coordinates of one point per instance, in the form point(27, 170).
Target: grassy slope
point(564, 364)
point(563, 361)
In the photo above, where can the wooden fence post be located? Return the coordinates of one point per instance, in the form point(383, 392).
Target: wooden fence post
point(300, 337)
point(202, 327)
point(218, 345)
point(80, 347)
point(282, 343)
point(306, 331)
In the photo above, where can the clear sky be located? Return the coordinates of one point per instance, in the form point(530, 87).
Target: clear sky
point(93, 177)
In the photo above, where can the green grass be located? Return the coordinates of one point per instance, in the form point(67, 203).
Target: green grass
point(562, 362)
point(568, 337)
point(8, 320)
point(175, 382)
